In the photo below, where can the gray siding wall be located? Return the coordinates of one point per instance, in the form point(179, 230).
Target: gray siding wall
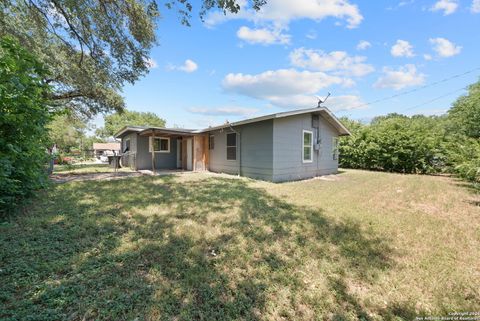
point(162, 160)
point(129, 159)
point(288, 145)
point(256, 151)
point(133, 142)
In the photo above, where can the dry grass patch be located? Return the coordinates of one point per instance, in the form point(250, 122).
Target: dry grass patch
point(359, 246)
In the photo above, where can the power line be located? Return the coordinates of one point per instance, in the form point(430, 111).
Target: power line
point(434, 99)
point(418, 89)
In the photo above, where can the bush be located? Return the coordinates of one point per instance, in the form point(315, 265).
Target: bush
point(23, 117)
point(395, 143)
point(464, 158)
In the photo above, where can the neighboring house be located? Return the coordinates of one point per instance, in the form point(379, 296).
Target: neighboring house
point(279, 147)
point(105, 149)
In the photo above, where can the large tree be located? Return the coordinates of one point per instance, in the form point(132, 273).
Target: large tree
point(93, 47)
point(116, 121)
point(67, 132)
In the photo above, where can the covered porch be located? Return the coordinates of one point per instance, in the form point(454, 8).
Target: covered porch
point(161, 149)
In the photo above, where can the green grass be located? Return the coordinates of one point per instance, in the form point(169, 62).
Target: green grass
point(366, 246)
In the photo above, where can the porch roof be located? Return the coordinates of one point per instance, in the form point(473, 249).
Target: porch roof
point(166, 131)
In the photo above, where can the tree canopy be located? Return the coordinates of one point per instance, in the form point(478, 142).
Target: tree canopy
point(116, 121)
point(67, 132)
point(465, 113)
point(92, 48)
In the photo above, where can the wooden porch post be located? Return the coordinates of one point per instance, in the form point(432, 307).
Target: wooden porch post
point(153, 151)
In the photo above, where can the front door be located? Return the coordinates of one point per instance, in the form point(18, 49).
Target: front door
point(189, 154)
point(179, 153)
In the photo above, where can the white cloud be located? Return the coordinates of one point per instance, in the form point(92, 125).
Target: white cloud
point(447, 6)
point(335, 103)
point(151, 63)
point(188, 66)
point(363, 44)
point(475, 8)
point(312, 34)
point(280, 82)
point(401, 4)
point(339, 62)
point(403, 77)
point(402, 48)
point(223, 111)
point(283, 87)
point(445, 48)
point(281, 12)
point(263, 36)
point(427, 57)
point(347, 102)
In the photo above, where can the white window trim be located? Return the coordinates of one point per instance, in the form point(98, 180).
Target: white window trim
point(158, 151)
point(335, 147)
point(303, 147)
point(226, 147)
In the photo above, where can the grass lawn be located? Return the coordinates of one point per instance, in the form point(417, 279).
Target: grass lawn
point(365, 246)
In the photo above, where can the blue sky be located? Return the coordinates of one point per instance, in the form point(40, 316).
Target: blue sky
point(254, 63)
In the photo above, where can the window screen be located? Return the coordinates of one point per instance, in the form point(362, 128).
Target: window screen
point(307, 146)
point(232, 146)
point(211, 142)
point(161, 145)
point(335, 142)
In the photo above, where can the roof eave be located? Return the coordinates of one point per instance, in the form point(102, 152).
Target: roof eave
point(342, 130)
point(125, 129)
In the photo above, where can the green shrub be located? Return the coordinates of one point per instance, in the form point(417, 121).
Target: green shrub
point(23, 117)
point(395, 143)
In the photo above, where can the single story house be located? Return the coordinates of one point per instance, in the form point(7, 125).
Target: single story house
point(285, 146)
point(105, 149)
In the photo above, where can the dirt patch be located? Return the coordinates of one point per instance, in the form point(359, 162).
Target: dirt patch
point(64, 178)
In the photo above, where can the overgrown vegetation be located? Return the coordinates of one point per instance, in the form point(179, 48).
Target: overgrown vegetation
point(203, 247)
point(419, 144)
point(23, 116)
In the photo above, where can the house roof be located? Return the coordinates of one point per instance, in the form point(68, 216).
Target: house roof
point(325, 112)
point(127, 129)
point(106, 146)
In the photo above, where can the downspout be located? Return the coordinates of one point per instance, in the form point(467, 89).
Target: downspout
point(239, 150)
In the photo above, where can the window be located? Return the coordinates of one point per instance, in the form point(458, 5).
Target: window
point(126, 146)
point(232, 146)
point(161, 145)
point(307, 151)
point(335, 147)
point(211, 142)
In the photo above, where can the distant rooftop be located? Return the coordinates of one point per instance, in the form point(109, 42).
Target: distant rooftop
point(106, 146)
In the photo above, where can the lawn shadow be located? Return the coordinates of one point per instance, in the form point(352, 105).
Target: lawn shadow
point(472, 188)
point(156, 248)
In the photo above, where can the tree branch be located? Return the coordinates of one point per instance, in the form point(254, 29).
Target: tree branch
point(52, 28)
point(67, 95)
point(72, 29)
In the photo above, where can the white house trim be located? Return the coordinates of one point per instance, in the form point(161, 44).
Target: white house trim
point(150, 146)
point(303, 146)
